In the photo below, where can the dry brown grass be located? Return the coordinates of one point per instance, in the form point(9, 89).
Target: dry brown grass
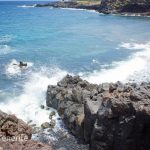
point(89, 2)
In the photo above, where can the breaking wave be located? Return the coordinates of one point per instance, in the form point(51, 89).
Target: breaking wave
point(80, 9)
point(4, 47)
point(27, 6)
point(6, 38)
point(13, 69)
point(134, 69)
point(27, 104)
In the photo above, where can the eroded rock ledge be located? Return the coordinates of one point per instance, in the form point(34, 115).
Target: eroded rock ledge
point(16, 135)
point(108, 116)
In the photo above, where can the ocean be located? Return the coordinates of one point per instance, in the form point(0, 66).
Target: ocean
point(55, 42)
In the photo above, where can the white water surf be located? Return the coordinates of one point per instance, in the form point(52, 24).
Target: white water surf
point(27, 104)
point(134, 69)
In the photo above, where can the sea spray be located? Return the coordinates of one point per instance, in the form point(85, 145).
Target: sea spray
point(5, 48)
point(27, 104)
point(126, 71)
point(13, 68)
point(27, 6)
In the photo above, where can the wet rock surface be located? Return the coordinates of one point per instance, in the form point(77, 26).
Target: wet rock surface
point(45, 125)
point(109, 116)
point(70, 142)
point(66, 141)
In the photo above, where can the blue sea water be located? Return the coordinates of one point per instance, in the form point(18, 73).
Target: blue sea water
point(55, 42)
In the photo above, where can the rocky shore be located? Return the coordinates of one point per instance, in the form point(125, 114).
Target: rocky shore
point(122, 7)
point(109, 116)
point(15, 134)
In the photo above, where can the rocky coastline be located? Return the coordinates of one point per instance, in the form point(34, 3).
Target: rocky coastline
point(71, 4)
point(127, 8)
point(109, 116)
point(15, 134)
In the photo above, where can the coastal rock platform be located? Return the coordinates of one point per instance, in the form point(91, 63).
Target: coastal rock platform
point(109, 116)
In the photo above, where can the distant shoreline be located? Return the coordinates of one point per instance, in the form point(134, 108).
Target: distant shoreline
point(95, 6)
point(76, 5)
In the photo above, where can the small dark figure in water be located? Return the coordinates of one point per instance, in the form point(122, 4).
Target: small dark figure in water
point(21, 64)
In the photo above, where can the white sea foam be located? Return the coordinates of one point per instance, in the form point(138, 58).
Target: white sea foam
point(5, 49)
point(94, 61)
point(6, 38)
point(13, 68)
point(135, 68)
point(131, 15)
point(79, 9)
point(134, 46)
point(27, 104)
point(27, 6)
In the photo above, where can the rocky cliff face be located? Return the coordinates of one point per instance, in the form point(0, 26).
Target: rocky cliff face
point(108, 116)
point(16, 135)
point(129, 6)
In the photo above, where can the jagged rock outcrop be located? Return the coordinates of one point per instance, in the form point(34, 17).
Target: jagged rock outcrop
point(68, 98)
point(125, 6)
point(109, 116)
point(16, 135)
